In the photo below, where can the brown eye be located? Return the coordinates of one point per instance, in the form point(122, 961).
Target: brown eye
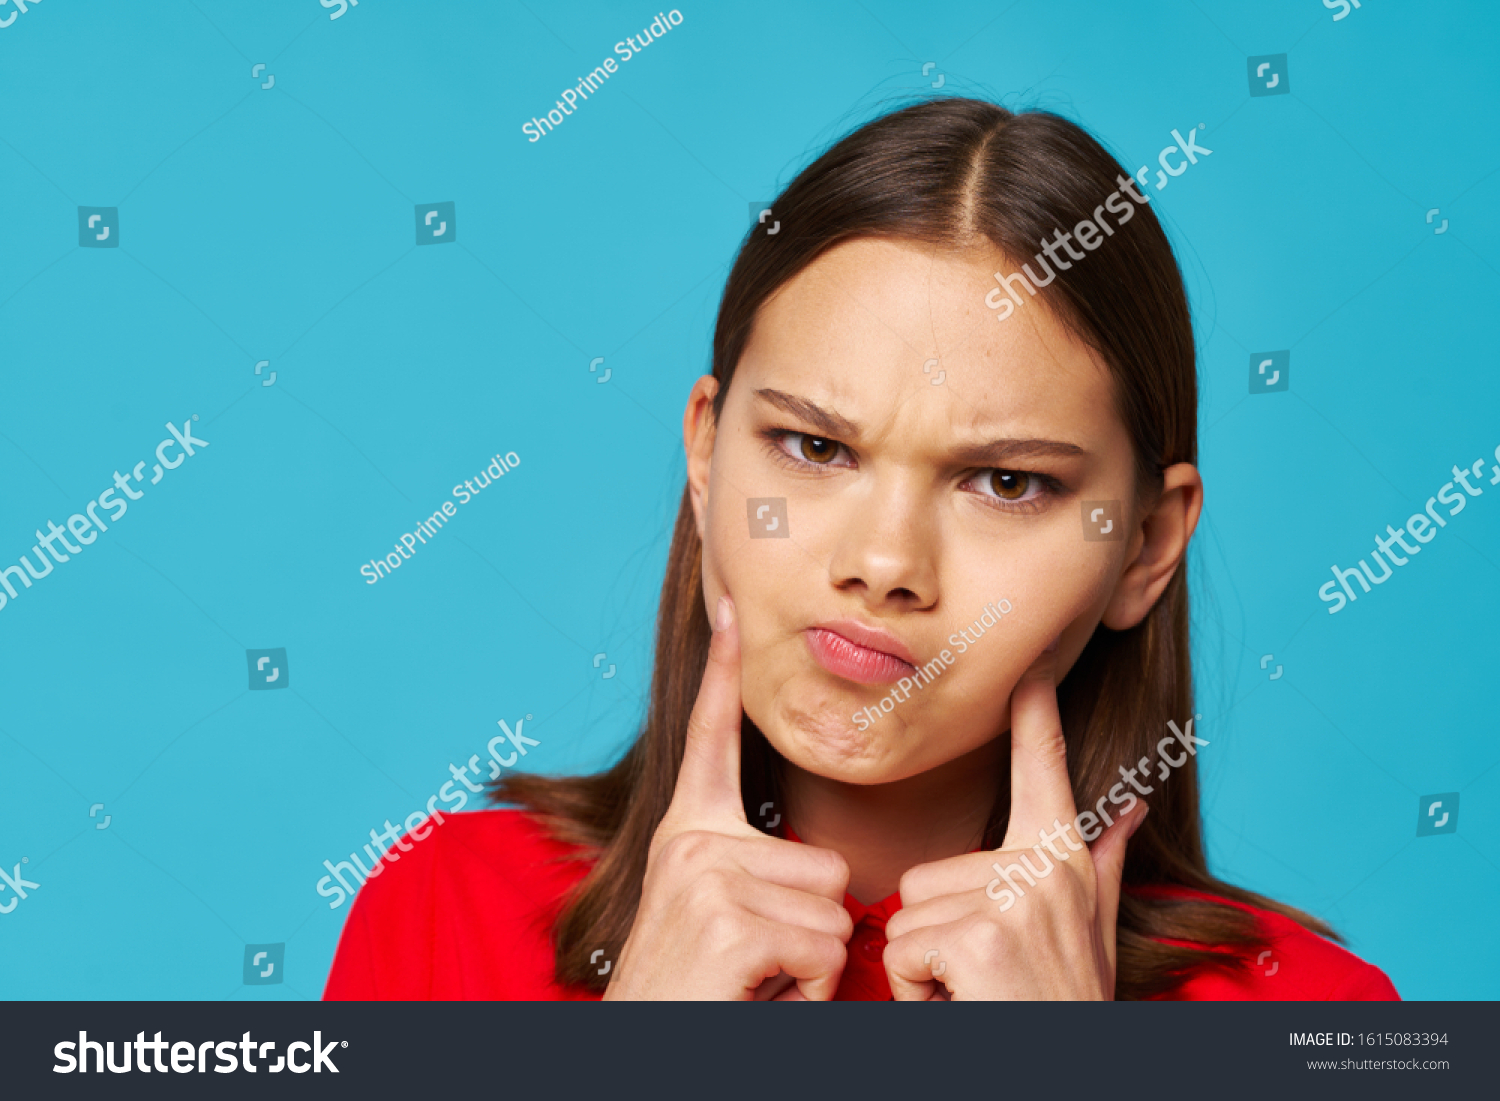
point(816, 450)
point(1009, 484)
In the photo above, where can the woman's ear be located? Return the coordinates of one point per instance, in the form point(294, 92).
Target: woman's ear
point(698, 429)
point(1158, 547)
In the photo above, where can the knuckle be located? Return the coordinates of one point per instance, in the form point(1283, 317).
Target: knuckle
point(984, 939)
point(662, 846)
point(1050, 752)
point(840, 919)
point(892, 953)
point(725, 930)
point(687, 848)
point(698, 724)
point(913, 883)
point(715, 886)
point(720, 654)
point(832, 954)
point(832, 869)
point(709, 891)
point(896, 952)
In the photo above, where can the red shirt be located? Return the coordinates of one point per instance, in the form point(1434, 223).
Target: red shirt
point(468, 912)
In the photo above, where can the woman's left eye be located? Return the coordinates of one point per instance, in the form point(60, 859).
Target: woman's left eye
point(813, 450)
point(1009, 486)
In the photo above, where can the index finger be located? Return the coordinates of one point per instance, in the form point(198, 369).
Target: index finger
point(707, 795)
point(1041, 791)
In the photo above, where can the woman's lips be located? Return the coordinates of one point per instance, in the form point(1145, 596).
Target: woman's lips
point(849, 660)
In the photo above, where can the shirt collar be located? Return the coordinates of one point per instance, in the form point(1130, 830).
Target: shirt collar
point(864, 977)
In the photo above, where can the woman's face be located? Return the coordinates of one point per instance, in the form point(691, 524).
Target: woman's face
point(892, 465)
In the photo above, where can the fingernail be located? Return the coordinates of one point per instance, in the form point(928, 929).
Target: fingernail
point(724, 617)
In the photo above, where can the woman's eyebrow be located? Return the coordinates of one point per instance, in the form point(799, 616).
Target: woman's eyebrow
point(824, 420)
point(992, 453)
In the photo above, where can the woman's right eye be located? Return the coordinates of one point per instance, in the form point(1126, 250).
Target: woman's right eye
point(1010, 485)
point(804, 448)
point(817, 450)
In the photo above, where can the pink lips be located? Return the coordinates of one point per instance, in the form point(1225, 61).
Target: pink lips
point(849, 650)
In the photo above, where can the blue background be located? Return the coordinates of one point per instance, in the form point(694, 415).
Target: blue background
point(277, 224)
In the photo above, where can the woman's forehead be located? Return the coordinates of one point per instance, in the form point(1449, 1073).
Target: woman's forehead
point(873, 325)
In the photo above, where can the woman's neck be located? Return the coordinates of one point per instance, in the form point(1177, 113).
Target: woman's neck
point(884, 829)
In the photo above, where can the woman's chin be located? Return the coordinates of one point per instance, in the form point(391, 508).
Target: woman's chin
point(823, 740)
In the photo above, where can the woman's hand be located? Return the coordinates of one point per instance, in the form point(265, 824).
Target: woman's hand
point(984, 925)
point(727, 912)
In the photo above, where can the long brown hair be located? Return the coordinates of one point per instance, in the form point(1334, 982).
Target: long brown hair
point(954, 173)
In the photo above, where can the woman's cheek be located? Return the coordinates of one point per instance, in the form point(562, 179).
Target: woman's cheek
point(1058, 587)
point(991, 668)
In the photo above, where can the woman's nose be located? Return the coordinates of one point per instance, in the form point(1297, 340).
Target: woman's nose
point(886, 549)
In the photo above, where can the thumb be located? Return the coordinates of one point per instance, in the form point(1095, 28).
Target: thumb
point(708, 783)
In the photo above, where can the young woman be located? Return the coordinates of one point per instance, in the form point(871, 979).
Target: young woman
point(922, 653)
